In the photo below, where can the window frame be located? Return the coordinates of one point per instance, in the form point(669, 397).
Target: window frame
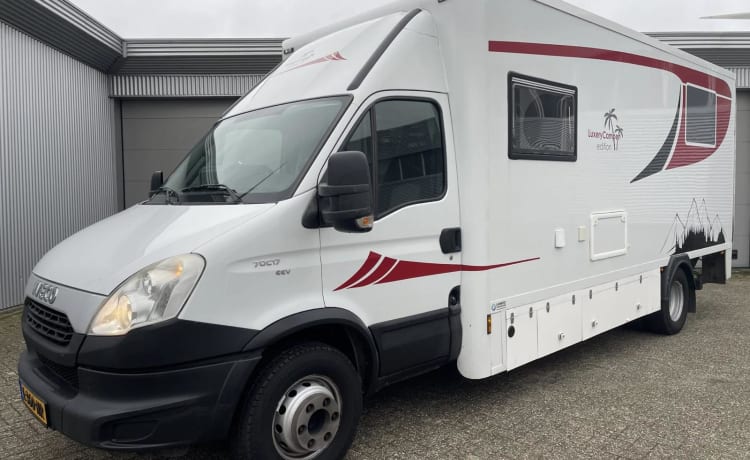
point(687, 115)
point(374, 147)
point(534, 154)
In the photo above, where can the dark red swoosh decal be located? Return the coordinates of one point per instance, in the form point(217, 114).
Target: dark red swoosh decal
point(378, 273)
point(372, 259)
point(406, 269)
point(686, 74)
point(683, 154)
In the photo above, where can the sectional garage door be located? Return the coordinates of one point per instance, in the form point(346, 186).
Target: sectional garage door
point(156, 135)
point(742, 188)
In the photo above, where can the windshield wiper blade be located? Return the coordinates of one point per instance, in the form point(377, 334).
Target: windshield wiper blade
point(264, 179)
point(215, 188)
point(169, 191)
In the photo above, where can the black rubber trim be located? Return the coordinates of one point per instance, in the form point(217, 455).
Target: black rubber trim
point(365, 70)
point(678, 262)
point(145, 410)
point(454, 308)
point(413, 343)
point(328, 316)
point(165, 344)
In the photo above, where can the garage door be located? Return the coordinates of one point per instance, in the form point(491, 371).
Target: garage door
point(741, 240)
point(157, 134)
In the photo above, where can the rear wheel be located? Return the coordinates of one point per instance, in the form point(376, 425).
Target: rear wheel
point(671, 318)
point(305, 404)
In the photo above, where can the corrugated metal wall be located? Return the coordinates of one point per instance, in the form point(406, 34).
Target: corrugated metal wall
point(130, 86)
point(743, 76)
point(57, 153)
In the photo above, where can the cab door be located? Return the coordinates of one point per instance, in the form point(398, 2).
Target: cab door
point(399, 278)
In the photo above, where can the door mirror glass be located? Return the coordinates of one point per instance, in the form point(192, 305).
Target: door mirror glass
point(157, 180)
point(346, 194)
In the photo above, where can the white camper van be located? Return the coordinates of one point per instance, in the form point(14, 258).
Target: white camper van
point(479, 181)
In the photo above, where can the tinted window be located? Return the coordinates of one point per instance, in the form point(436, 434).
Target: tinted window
point(700, 124)
point(409, 160)
point(542, 120)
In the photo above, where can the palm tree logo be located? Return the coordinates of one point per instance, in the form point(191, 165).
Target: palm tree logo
point(608, 117)
point(618, 134)
point(609, 123)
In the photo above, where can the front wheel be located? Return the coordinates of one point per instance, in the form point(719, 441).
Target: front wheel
point(304, 404)
point(671, 318)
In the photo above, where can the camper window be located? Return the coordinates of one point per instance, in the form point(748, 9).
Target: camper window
point(542, 118)
point(409, 159)
point(700, 123)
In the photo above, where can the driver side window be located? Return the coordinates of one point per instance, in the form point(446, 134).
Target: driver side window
point(406, 153)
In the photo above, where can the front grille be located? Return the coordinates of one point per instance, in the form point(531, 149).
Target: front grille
point(48, 323)
point(68, 374)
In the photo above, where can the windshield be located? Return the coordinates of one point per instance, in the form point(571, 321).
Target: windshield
point(255, 157)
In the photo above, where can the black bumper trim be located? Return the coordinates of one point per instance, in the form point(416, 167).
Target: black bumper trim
point(146, 410)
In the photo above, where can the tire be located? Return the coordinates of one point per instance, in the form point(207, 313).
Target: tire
point(671, 318)
point(312, 388)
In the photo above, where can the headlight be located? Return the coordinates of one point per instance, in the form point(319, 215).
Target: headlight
point(153, 294)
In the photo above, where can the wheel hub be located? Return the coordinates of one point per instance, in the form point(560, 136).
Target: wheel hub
point(307, 418)
point(676, 300)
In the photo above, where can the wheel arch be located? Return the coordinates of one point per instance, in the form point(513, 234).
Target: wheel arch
point(678, 262)
point(337, 327)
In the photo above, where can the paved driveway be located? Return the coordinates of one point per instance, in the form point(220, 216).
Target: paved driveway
point(625, 393)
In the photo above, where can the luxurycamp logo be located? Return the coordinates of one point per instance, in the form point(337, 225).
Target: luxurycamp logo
point(609, 137)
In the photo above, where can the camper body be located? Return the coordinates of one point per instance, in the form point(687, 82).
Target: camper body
point(434, 181)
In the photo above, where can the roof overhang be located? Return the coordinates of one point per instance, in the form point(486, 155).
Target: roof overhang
point(727, 49)
point(63, 26)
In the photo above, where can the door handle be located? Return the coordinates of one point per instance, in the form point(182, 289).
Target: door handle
point(450, 240)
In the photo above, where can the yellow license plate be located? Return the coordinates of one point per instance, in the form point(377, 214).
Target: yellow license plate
point(34, 403)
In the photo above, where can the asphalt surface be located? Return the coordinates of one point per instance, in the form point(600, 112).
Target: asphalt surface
point(624, 394)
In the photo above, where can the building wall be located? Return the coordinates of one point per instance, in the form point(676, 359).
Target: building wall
point(57, 153)
point(157, 134)
point(741, 234)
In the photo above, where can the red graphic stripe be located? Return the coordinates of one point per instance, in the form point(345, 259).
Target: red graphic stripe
point(331, 57)
point(372, 259)
point(378, 273)
point(407, 270)
point(686, 74)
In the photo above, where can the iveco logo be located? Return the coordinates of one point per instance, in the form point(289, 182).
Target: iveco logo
point(45, 292)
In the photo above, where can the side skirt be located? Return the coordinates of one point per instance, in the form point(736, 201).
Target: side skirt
point(416, 344)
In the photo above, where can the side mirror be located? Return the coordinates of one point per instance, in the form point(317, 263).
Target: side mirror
point(346, 197)
point(157, 180)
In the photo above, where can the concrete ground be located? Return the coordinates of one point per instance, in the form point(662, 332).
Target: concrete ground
point(623, 394)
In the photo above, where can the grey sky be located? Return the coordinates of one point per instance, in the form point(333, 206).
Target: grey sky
point(282, 18)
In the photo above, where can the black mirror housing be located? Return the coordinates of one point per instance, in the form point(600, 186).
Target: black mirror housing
point(157, 180)
point(346, 196)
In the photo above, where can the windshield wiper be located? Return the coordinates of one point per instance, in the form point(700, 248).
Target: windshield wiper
point(168, 191)
point(215, 188)
point(264, 179)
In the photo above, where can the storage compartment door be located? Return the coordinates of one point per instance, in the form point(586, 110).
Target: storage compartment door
point(521, 334)
point(559, 324)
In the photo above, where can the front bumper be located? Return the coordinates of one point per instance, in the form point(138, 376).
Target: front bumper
point(140, 410)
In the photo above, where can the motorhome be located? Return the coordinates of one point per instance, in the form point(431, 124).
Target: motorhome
point(482, 182)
